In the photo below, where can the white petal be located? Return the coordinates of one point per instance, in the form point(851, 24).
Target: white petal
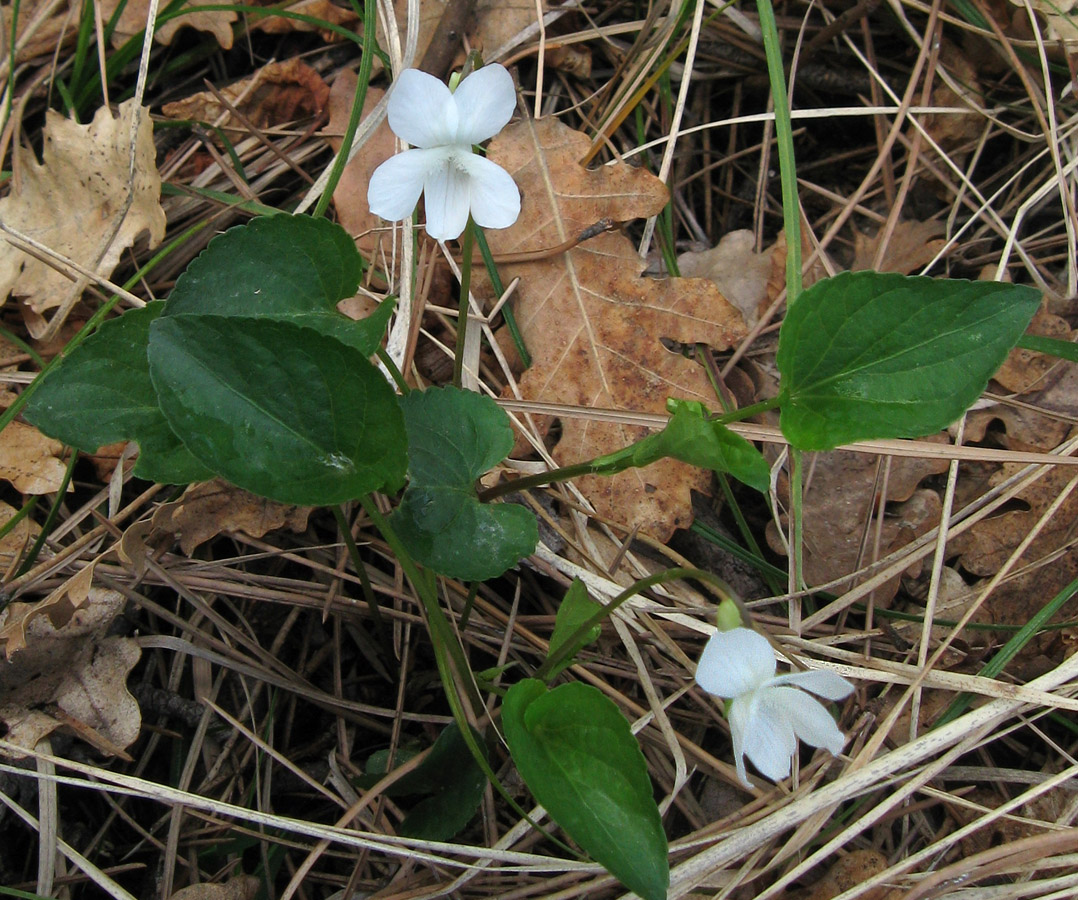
point(396, 184)
point(808, 718)
point(739, 713)
point(447, 199)
point(819, 682)
point(495, 197)
point(485, 103)
point(421, 110)
point(768, 738)
point(735, 662)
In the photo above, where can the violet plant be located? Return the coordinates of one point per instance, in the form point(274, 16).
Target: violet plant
point(249, 372)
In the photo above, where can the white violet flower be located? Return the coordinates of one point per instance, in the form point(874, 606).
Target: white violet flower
point(767, 713)
point(443, 126)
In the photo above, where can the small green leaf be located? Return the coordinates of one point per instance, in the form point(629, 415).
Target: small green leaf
point(455, 783)
point(576, 608)
point(870, 355)
point(286, 268)
point(101, 393)
point(454, 436)
point(692, 437)
point(574, 750)
point(279, 410)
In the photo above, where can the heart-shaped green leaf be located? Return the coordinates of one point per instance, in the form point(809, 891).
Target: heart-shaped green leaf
point(287, 268)
point(101, 392)
point(574, 750)
point(454, 436)
point(283, 411)
point(876, 355)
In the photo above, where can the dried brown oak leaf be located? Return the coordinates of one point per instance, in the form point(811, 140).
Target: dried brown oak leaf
point(71, 199)
point(841, 494)
point(206, 510)
point(279, 92)
point(74, 676)
point(132, 21)
point(594, 325)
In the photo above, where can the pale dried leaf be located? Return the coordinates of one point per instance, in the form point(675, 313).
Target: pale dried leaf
point(215, 507)
point(277, 93)
point(72, 197)
point(132, 21)
point(73, 675)
point(41, 25)
point(594, 325)
point(31, 461)
point(739, 272)
point(499, 21)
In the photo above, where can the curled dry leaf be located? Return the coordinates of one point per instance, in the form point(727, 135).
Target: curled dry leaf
point(71, 675)
point(1048, 565)
point(58, 607)
point(132, 21)
point(840, 506)
point(911, 246)
point(594, 326)
point(215, 507)
point(242, 887)
point(71, 199)
point(31, 461)
point(15, 541)
point(1060, 16)
point(739, 272)
point(326, 10)
point(279, 92)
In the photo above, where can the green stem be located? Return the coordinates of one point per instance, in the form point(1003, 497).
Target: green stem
point(464, 307)
point(791, 208)
point(598, 465)
point(357, 564)
point(366, 61)
point(499, 289)
point(391, 367)
point(573, 641)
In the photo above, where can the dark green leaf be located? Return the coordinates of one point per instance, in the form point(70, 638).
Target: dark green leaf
point(869, 355)
point(576, 608)
point(693, 438)
point(101, 393)
point(454, 436)
point(287, 268)
point(279, 410)
point(574, 750)
point(449, 774)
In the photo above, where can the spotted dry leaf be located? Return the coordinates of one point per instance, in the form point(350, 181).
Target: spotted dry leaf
point(71, 675)
point(71, 200)
point(594, 325)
